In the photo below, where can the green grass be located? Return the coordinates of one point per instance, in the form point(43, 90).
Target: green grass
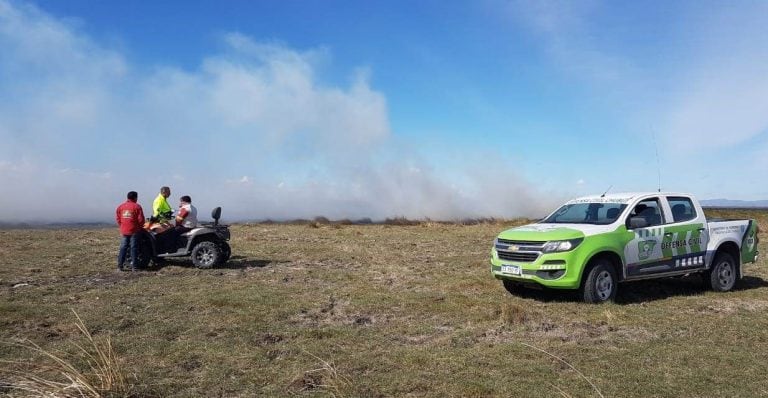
point(375, 310)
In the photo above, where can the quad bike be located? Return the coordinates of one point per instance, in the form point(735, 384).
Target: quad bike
point(206, 244)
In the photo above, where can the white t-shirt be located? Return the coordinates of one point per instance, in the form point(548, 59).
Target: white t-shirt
point(190, 221)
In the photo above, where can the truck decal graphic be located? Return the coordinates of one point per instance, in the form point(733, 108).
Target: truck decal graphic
point(645, 248)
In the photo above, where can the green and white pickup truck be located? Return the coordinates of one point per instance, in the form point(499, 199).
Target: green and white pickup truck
point(593, 243)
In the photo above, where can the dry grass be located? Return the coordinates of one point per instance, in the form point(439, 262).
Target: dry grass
point(324, 377)
point(583, 377)
point(384, 310)
point(93, 370)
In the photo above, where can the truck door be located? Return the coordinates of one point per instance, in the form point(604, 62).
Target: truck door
point(643, 254)
point(685, 237)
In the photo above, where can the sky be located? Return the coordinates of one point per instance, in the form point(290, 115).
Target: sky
point(346, 109)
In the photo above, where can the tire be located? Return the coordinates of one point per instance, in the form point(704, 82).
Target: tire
point(226, 252)
point(722, 276)
point(205, 254)
point(600, 284)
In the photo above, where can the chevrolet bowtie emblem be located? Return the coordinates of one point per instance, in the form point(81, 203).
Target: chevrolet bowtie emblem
point(513, 248)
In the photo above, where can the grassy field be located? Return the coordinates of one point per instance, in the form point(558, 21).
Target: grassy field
point(369, 311)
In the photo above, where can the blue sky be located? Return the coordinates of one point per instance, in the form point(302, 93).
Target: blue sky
point(445, 110)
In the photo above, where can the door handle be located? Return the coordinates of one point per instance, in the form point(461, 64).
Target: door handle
point(668, 234)
point(702, 229)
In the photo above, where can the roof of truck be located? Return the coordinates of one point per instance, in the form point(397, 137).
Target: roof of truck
point(622, 197)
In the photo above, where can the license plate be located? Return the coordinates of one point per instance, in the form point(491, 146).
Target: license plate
point(510, 269)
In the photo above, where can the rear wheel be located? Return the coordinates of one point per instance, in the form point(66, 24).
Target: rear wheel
point(205, 254)
point(722, 276)
point(601, 283)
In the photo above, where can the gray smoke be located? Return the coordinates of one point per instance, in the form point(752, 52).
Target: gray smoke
point(253, 129)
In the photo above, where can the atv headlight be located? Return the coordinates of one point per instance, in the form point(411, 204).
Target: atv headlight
point(556, 246)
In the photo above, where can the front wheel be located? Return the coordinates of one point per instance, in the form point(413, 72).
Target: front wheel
point(601, 283)
point(722, 276)
point(205, 255)
point(226, 252)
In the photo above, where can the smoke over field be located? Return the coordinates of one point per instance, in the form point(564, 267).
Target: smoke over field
point(253, 128)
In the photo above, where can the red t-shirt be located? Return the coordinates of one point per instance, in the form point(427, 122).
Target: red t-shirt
point(130, 217)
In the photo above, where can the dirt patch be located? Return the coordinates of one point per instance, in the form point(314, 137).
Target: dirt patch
point(265, 339)
point(571, 332)
point(728, 307)
point(336, 312)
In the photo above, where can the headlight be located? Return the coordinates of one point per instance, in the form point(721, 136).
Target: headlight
point(561, 245)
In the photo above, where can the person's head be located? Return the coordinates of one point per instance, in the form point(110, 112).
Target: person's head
point(132, 196)
point(165, 191)
point(186, 199)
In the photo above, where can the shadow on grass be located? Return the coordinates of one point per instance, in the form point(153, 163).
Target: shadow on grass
point(644, 291)
point(239, 262)
point(692, 285)
point(235, 262)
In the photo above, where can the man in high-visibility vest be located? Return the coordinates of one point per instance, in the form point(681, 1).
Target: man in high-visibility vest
point(160, 207)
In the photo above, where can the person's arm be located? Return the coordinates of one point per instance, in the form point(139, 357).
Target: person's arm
point(117, 216)
point(140, 216)
point(156, 206)
point(181, 216)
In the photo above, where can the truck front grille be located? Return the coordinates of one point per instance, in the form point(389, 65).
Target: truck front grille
point(520, 242)
point(524, 251)
point(524, 257)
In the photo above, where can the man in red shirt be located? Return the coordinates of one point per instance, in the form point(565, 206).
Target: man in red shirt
point(130, 218)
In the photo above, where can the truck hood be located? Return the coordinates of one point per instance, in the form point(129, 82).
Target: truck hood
point(547, 232)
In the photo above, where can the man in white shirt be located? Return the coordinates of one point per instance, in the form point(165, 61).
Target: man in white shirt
point(186, 218)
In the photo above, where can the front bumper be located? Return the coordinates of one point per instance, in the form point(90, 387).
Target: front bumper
point(552, 270)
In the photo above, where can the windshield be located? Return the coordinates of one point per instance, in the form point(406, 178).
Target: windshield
point(586, 213)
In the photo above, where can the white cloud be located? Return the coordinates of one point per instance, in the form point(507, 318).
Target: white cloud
point(700, 85)
point(567, 35)
point(722, 99)
point(302, 146)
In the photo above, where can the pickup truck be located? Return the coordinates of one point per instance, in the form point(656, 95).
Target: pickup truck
point(594, 243)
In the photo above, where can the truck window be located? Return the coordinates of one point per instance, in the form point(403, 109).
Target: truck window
point(682, 208)
point(650, 210)
point(586, 213)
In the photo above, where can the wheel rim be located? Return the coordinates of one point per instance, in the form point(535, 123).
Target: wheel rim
point(205, 256)
point(604, 285)
point(725, 274)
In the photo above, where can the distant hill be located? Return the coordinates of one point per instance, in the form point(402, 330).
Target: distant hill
point(733, 203)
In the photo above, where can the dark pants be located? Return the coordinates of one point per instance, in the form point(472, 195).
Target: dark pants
point(133, 242)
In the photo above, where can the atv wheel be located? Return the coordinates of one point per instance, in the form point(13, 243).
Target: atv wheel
point(600, 284)
point(205, 255)
point(226, 252)
point(722, 276)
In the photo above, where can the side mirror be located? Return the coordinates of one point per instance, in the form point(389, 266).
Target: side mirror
point(216, 214)
point(637, 222)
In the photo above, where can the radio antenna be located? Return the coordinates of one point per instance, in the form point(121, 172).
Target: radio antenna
point(606, 191)
point(656, 147)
